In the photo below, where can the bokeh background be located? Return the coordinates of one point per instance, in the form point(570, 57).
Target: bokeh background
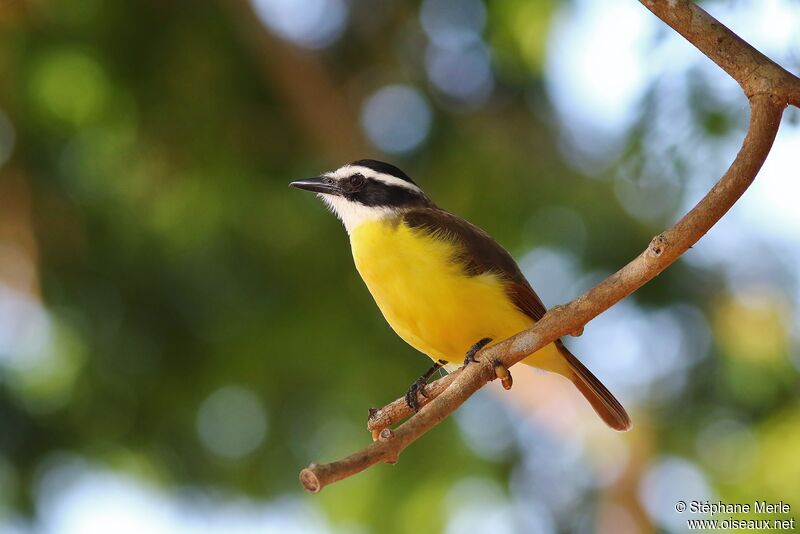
point(180, 333)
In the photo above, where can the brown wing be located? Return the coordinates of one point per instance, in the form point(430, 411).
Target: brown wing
point(479, 254)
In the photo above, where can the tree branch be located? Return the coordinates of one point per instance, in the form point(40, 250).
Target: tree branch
point(754, 71)
point(768, 87)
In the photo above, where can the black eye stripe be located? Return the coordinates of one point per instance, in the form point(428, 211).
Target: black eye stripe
point(375, 193)
point(353, 183)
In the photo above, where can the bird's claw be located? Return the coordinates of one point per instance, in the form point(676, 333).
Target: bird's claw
point(417, 387)
point(470, 357)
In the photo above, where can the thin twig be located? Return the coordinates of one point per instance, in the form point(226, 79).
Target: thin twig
point(769, 89)
point(399, 409)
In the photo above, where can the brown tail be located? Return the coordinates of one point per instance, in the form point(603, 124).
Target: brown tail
point(604, 403)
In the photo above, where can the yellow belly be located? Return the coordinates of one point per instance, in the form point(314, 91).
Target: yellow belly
point(428, 299)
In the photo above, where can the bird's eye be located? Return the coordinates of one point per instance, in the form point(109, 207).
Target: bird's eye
point(356, 181)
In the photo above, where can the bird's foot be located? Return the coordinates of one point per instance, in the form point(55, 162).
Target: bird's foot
point(418, 386)
point(470, 357)
point(411, 395)
point(503, 374)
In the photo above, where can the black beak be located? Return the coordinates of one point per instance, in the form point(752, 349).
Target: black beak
point(317, 185)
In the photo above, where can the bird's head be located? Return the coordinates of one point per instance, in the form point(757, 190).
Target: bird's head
point(365, 190)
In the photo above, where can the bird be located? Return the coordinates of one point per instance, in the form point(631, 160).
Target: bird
point(445, 286)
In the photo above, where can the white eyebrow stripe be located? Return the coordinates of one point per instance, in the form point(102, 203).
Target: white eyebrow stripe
point(379, 176)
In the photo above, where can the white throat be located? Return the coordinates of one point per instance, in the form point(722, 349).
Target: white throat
point(352, 214)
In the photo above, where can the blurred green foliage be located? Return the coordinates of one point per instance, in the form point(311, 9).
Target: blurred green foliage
point(154, 143)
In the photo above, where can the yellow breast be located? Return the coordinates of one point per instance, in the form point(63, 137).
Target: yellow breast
point(425, 296)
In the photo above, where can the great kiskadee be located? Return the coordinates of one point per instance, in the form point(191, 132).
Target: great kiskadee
point(444, 285)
